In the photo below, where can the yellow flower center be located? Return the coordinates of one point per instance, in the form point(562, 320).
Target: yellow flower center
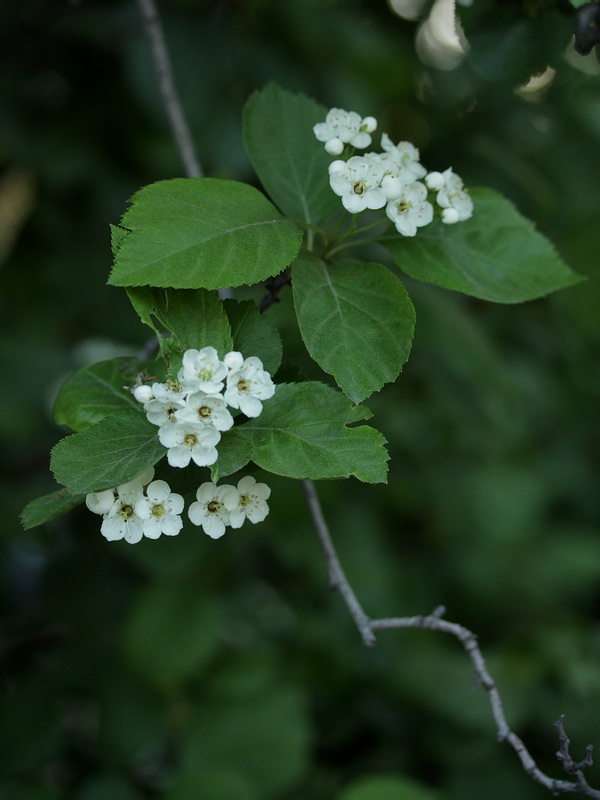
point(126, 511)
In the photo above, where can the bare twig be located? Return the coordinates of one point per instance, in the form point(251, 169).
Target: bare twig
point(168, 91)
point(337, 578)
point(434, 622)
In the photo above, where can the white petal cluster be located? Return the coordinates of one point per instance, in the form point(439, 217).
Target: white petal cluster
point(394, 178)
point(130, 511)
point(344, 127)
point(217, 507)
point(192, 412)
point(452, 196)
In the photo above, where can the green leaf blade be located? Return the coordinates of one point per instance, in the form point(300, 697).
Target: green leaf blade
point(497, 255)
point(48, 507)
point(114, 451)
point(253, 334)
point(357, 322)
point(291, 164)
point(302, 433)
point(95, 392)
point(202, 233)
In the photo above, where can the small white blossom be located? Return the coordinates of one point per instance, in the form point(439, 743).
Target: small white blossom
point(207, 410)
point(212, 507)
point(251, 502)
point(160, 510)
point(344, 127)
point(451, 196)
point(248, 385)
point(202, 371)
point(143, 393)
point(401, 166)
point(189, 441)
point(121, 521)
point(100, 502)
point(358, 182)
point(165, 402)
point(411, 210)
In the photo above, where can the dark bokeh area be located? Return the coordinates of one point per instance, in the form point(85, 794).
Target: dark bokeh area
point(187, 668)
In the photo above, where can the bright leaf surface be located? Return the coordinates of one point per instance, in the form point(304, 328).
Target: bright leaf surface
point(114, 451)
point(192, 233)
point(46, 508)
point(96, 391)
point(302, 433)
point(496, 255)
point(253, 334)
point(234, 453)
point(194, 317)
point(357, 322)
point(291, 164)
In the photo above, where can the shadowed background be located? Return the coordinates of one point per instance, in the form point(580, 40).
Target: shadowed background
point(187, 668)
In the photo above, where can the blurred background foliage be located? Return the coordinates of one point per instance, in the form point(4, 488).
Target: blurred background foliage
point(185, 668)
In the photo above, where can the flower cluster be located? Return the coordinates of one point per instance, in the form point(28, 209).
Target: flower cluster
point(192, 412)
point(144, 507)
point(344, 127)
point(129, 512)
point(394, 179)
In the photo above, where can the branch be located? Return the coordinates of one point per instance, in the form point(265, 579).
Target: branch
point(168, 91)
point(434, 622)
point(337, 578)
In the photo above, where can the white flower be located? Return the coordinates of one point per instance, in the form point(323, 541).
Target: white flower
point(212, 507)
point(251, 502)
point(451, 196)
point(121, 521)
point(102, 502)
point(202, 371)
point(344, 127)
point(401, 166)
point(248, 385)
point(160, 510)
point(358, 182)
point(189, 441)
point(143, 393)
point(411, 210)
point(165, 401)
point(206, 410)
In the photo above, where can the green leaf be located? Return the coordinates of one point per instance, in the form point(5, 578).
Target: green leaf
point(114, 451)
point(253, 334)
point(194, 317)
point(302, 433)
point(173, 631)
point(192, 233)
point(496, 255)
point(96, 391)
point(387, 787)
point(579, 3)
point(234, 453)
point(357, 322)
point(291, 164)
point(117, 235)
point(50, 506)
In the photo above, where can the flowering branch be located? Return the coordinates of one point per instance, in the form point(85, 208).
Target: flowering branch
point(168, 91)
